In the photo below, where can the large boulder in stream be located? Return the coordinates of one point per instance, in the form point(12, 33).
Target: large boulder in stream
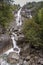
point(15, 29)
point(13, 58)
point(5, 42)
point(20, 37)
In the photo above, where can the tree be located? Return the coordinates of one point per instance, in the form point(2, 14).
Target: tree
point(6, 15)
point(32, 32)
point(40, 17)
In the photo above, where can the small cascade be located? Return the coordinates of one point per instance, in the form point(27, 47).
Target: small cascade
point(14, 37)
point(30, 15)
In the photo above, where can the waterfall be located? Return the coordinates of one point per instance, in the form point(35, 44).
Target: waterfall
point(14, 35)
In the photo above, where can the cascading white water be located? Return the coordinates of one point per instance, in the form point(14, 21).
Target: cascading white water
point(13, 39)
point(18, 19)
point(14, 42)
point(13, 36)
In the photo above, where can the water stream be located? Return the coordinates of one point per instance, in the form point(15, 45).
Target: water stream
point(14, 35)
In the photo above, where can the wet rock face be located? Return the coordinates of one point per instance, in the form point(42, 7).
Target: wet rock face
point(20, 37)
point(13, 58)
point(5, 41)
